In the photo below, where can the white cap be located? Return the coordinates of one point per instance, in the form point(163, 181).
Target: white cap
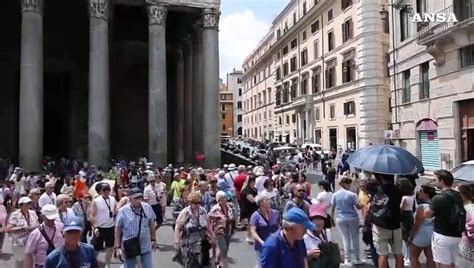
point(50, 211)
point(220, 195)
point(24, 200)
point(232, 167)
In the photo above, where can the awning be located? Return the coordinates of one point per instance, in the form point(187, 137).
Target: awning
point(427, 125)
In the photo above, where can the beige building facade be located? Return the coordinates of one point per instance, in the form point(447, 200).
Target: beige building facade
point(432, 76)
point(330, 82)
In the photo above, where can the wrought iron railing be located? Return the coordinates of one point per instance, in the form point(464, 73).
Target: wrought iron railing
point(427, 29)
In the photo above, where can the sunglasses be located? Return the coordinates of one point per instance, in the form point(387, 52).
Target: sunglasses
point(106, 189)
point(195, 203)
point(301, 191)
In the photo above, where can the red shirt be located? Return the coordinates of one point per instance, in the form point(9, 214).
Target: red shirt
point(239, 183)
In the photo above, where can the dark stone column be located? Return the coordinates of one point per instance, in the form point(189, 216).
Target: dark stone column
point(99, 109)
point(197, 88)
point(31, 85)
point(210, 42)
point(180, 106)
point(157, 98)
point(188, 101)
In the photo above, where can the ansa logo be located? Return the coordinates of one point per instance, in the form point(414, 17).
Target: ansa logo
point(434, 17)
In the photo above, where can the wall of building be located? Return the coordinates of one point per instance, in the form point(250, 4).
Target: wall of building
point(234, 84)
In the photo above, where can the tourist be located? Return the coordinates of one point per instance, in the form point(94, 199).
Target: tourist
point(271, 193)
point(406, 206)
point(67, 187)
point(345, 203)
point(48, 197)
point(221, 217)
point(422, 229)
point(63, 203)
point(44, 239)
point(259, 171)
point(73, 253)
point(466, 246)
point(298, 200)
point(240, 179)
point(203, 189)
point(248, 205)
point(263, 223)
point(121, 195)
point(34, 195)
point(193, 232)
point(102, 219)
point(386, 220)
point(81, 209)
point(153, 195)
point(286, 248)
point(3, 222)
point(177, 187)
point(135, 234)
point(20, 224)
point(324, 197)
point(330, 176)
point(303, 180)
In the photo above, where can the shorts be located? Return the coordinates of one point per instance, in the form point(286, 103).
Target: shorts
point(445, 248)
point(107, 236)
point(423, 239)
point(222, 242)
point(385, 237)
point(158, 213)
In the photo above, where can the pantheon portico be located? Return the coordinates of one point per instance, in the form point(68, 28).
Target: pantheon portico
point(103, 79)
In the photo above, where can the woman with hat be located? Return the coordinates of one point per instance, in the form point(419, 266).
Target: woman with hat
point(346, 203)
point(153, 195)
point(318, 239)
point(19, 226)
point(221, 216)
point(263, 223)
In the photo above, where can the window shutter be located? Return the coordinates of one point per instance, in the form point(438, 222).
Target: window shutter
point(345, 108)
point(343, 26)
point(344, 71)
point(350, 29)
point(326, 74)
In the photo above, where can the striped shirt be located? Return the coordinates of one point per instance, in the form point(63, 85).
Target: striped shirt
point(127, 220)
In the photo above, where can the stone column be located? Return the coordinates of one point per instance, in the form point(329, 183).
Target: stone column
point(157, 98)
point(197, 88)
point(180, 105)
point(306, 118)
point(99, 110)
point(188, 100)
point(210, 43)
point(31, 85)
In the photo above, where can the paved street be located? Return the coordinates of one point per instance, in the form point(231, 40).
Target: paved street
point(242, 254)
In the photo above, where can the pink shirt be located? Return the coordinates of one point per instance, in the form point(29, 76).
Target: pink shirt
point(38, 246)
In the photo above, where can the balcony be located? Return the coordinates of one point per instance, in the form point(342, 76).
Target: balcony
point(437, 35)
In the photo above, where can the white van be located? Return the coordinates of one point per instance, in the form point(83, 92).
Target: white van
point(316, 147)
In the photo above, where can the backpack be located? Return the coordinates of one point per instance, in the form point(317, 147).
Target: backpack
point(381, 215)
point(457, 218)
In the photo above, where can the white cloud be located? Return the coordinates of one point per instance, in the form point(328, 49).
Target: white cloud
point(239, 34)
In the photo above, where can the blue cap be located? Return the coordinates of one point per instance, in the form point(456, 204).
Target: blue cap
point(73, 224)
point(298, 216)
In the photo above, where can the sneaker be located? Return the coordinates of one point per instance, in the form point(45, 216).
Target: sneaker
point(358, 262)
point(347, 263)
point(406, 262)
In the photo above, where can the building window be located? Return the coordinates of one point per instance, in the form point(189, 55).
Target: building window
point(239, 118)
point(424, 80)
point(223, 107)
point(467, 56)
point(293, 64)
point(315, 26)
point(240, 91)
point(287, 119)
point(223, 127)
point(345, 4)
point(330, 40)
point(293, 43)
point(294, 87)
point(294, 18)
point(347, 30)
point(222, 97)
point(278, 96)
point(317, 136)
point(304, 8)
point(255, 79)
point(317, 115)
point(278, 73)
point(348, 67)
point(285, 69)
point(406, 92)
point(316, 49)
point(304, 57)
point(332, 111)
point(316, 80)
point(331, 74)
point(279, 121)
point(304, 85)
point(330, 15)
point(239, 105)
point(223, 116)
point(264, 98)
point(304, 35)
point(286, 92)
point(285, 50)
point(286, 27)
point(293, 118)
point(349, 108)
point(405, 24)
point(278, 34)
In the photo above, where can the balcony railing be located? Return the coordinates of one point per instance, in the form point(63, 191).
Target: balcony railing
point(428, 29)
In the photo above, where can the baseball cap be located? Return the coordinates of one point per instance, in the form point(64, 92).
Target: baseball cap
point(232, 167)
point(298, 216)
point(135, 192)
point(317, 210)
point(24, 200)
point(73, 224)
point(50, 211)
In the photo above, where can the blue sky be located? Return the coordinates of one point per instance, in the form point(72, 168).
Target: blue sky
point(243, 23)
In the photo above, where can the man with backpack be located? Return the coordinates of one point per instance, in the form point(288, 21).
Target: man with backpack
point(385, 215)
point(449, 220)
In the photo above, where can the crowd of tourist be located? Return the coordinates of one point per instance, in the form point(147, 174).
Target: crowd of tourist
point(64, 218)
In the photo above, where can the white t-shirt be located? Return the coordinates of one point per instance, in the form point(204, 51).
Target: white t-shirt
point(325, 199)
point(63, 216)
point(47, 199)
point(151, 195)
point(312, 242)
point(102, 218)
point(259, 183)
point(268, 194)
point(407, 202)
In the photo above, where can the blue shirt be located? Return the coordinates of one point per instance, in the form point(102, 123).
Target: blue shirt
point(127, 221)
point(223, 185)
point(84, 257)
point(277, 253)
point(345, 202)
point(264, 228)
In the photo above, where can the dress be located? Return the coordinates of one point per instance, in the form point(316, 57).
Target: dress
point(466, 246)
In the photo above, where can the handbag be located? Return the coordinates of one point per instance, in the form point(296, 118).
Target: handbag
point(131, 247)
point(329, 257)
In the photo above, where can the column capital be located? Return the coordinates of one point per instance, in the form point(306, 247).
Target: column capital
point(32, 6)
point(99, 9)
point(210, 18)
point(157, 14)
